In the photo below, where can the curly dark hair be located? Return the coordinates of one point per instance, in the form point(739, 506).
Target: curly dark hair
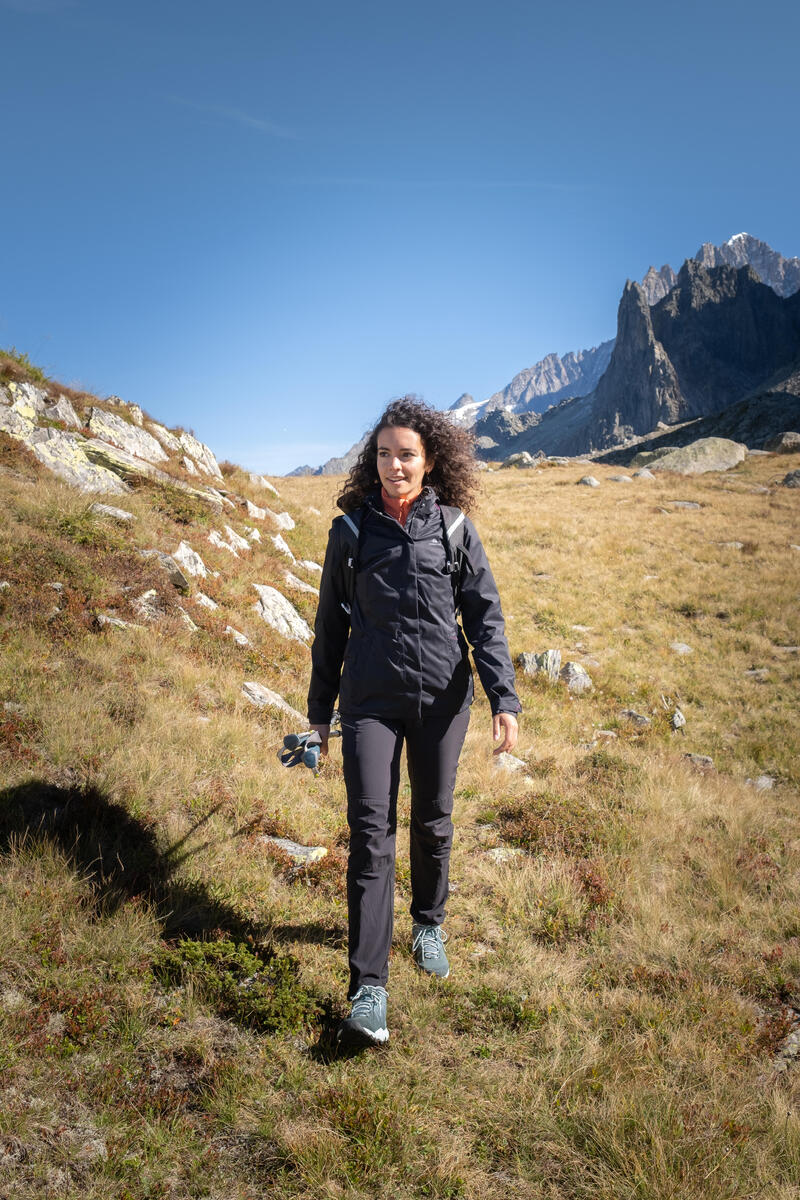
point(454, 476)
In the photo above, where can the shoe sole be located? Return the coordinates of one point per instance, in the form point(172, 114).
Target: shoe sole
point(350, 1034)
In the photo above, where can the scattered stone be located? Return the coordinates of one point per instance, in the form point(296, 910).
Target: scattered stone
point(763, 783)
point(17, 710)
point(260, 481)
point(150, 606)
point(62, 410)
point(582, 628)
point(758, 674)
point(108, 510)
point(783, 443)
point(190, 560)
point(240, 638)
point(299, 585)
point(253, 534)
point(790, 1050)
point(681, 648)
point(523, 460)
point(256, 513)
point(201, 454)
point(508, 762)
point(620, 479)
point(792, 480)
point(683, 503)
point(187, 620)
point(315, 511)
point(168, 440)
point(677, 720)
point(576, 678)
point(168, 564)
point(706, 454)
point(644, 473)
point(589, 481)
point(783, 649)
point(731, 545)
point(188, 465)
point(116, 622)
point(4, 584)
point(234, 540)
point(558, 460)
point(503, 854)
point(280, 544)
point(282, 520)
point(703, 762)
point(302, 855)
point(280, 613)
point(547, 663)
point(111, 428)
point(217, 540)
point(206, 601)
point(57, 587)
point(607, 735)
point(793, 547)
point(309, 565)
point(635, 718)
point(264, 697)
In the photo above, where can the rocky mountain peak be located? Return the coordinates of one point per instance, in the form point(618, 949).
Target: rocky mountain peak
point(779, 273)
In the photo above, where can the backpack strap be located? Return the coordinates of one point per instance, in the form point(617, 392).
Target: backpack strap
point(351, 528)
point(453, 536)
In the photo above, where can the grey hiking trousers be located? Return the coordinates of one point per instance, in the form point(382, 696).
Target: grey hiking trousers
point(371, 748)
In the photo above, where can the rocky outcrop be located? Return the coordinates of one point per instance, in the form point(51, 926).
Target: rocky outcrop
point(278, 612)
point(743, 250)
point(706, 454)
point(201, 454)
point(65, 455)
point(656, 284)
point(111, 428)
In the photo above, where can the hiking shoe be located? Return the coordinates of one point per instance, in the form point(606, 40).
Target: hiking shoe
point(366, 1025)
point(427, 946)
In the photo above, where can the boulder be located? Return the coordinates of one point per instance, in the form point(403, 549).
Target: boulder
point(252, 534)
point(149, 606)
point(706, 454)
point(201, 454)
point(190, 560)
point(763, 783)
point(282, 520)
point(701, 762)
point(234, 539)
point(644, 473)
point(254, 512)
point(521, 460)
point(589, 481)
point(260, 481)
point(264, 697)
point(187, 620)
point(111, 428)
point(792, 479)
point(217, 540)
point(206, 602)
point(547, 663)
point(189, 466)
point(170, 565)
point(309, 565)
point(635, 718)
point(65, 455)
point(504, 854)
point(28, 396)
point(105, 620)
point(677, 720)
point(62, 410)
point(302, 856)
point(508, 762)
point(692, 504)
point(576, 678)
point(620, 479)
point(15, 424)
point(784, 443)
point(681, 648)
point(281, 614)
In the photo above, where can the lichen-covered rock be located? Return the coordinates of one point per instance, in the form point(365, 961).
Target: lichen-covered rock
point(111, 428)
point(302, 856)
point(65, 455)
point(576, 677)
point(130, 467)
point(168, 440)
point(62, 410)
point(547, 663)
point(149, 606)
point(28, 396)
point(280, 613)
point(190, 561)
point(264, 697)
point(706, 454)
point(201, 454)
point(15, 424)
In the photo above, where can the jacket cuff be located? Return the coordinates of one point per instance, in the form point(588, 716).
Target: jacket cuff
point(320, 716)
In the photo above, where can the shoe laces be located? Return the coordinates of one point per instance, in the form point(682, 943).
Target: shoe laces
point(430, 939)
point(366, 999)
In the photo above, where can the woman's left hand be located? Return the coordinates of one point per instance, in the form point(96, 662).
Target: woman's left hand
point(507, 724)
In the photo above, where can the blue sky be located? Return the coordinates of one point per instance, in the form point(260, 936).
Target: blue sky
point(264, 221)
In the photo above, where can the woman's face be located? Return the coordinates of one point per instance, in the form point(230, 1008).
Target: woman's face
point(402, 461)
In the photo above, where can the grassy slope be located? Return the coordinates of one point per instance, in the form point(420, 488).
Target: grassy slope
point(168, 989)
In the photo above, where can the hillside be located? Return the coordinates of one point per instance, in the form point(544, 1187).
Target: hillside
point(621, 1019)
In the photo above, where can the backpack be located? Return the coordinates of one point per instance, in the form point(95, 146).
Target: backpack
point(452, 536)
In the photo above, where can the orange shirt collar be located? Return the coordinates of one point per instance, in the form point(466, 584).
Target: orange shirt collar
point(398, 509)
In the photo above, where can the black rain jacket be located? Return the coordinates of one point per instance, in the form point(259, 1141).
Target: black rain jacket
point(400, 652)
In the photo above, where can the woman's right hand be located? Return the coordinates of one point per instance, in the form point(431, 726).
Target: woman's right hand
point(324, 733)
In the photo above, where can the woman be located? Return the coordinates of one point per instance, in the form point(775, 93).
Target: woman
point(387, 641)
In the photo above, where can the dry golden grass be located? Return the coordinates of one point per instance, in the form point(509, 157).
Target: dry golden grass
point(620, 987)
